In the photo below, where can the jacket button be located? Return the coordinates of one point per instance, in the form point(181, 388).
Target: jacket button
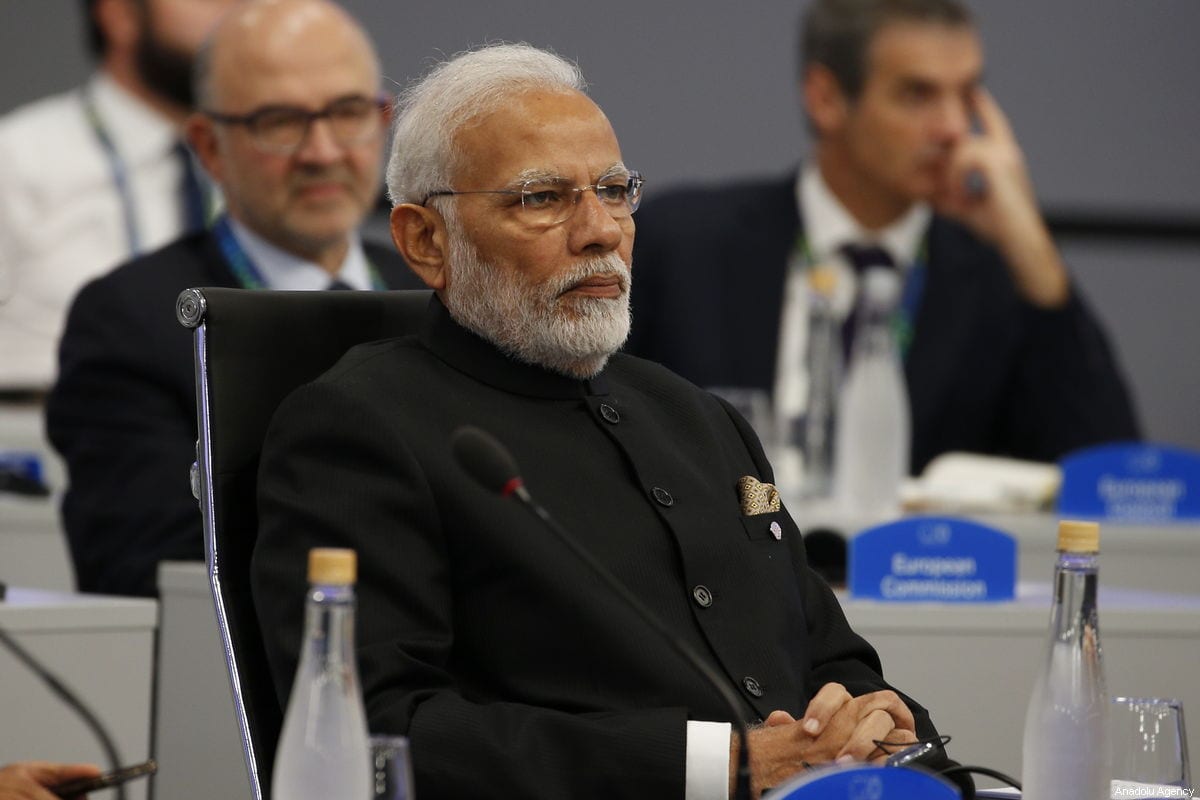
point(609, 413)
point(702, 596)
point(752, 686)
point(663, 497)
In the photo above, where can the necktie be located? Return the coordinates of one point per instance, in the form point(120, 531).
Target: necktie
point(861, 258)
point(337, 284)
point(191, 189)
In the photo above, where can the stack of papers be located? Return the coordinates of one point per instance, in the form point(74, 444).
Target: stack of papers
point(971, 483)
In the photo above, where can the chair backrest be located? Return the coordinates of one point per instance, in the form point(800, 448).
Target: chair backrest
point(252, 348)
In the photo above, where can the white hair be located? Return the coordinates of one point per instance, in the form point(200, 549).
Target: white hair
point(472, 84)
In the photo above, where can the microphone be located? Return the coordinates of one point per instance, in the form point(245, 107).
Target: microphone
point(494, 468)
point(71, 699)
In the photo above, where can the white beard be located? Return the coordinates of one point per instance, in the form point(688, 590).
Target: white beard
point(533, 322)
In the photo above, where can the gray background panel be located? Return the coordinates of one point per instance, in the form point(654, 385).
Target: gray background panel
point(1102, 95)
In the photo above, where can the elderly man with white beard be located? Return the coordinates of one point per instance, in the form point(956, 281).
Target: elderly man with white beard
point(511, 668)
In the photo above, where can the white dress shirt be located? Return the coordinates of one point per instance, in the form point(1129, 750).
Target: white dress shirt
point(280, 269)
point(62, 219)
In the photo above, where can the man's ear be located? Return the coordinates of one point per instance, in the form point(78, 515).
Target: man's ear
point(824, 100)
point(121, 23)
point(421, 237)
point(201, 136)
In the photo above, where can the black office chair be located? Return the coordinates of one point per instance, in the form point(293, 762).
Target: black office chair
point(252, 348)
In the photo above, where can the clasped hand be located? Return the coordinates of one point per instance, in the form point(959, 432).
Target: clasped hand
point(836, 727)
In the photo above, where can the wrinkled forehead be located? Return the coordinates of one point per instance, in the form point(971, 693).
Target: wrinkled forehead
point(560, 134)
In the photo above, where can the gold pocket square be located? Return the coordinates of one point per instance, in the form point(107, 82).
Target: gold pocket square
point(756, 497)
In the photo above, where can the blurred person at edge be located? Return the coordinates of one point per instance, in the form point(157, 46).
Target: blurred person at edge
point(98, 174)
point(291, 127)
point(913, 157)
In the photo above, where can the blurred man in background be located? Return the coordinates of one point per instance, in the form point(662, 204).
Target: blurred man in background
point(915, 169)
point(291, 128)
point(93, 176)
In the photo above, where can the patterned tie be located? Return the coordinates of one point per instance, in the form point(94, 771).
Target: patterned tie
point(862, 258)
point(191, 189)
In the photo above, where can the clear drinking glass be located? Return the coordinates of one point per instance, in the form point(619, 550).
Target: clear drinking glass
point(755, 406)
point(391, 769)
point(1149, 746)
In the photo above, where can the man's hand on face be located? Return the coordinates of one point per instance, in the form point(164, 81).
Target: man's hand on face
point(987, 188)
point(835, 727)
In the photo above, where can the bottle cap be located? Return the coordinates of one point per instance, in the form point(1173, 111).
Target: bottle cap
point(1078, 537)
point(823, 280)
point(331, 565)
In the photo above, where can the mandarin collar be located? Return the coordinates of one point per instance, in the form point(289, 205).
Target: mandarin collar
point(475, 356)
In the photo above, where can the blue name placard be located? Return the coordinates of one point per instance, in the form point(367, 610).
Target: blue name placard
point(21, 462)
point(941, 559)
point(1132, 483)
point(861, 782)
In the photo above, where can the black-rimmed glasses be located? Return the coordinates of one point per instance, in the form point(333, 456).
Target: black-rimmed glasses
point(283, 129)
point(549, 201)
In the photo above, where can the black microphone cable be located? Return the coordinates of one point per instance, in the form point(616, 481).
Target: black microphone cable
point(923, 751)
point(67, 696)
point(489, 463)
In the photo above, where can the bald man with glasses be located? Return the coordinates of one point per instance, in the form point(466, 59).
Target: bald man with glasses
point(291, 126)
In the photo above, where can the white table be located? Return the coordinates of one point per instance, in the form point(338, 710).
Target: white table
point(195, 733)
point(1164, 558)
point(1158, 557)
point(102, 648)
point(973, 665)
point(33, 551)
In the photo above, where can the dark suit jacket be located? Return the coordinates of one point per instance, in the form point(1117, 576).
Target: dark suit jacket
point(512, 668)
point(123, 414)
point(987, 372)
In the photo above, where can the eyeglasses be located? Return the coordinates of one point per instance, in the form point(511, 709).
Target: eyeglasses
point(282, 129)
point(549, 201)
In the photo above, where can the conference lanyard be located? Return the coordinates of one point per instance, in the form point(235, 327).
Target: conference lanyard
point(116, 166)
point(244, 270)
point(904, 320)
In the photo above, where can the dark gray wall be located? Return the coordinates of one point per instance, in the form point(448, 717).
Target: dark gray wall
point(1102, 95)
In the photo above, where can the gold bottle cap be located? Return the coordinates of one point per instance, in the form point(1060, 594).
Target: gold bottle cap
point(331, 565)
point(823, 280)
point(1075, 536)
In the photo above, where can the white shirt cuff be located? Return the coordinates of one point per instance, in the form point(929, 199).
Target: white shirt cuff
point(707, 761)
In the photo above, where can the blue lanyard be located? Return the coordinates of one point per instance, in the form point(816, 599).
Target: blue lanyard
point(910, 299)
point(116, 165)
point(243, 267)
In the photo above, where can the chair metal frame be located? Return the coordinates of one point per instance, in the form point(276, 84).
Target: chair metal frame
point(359, 317)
